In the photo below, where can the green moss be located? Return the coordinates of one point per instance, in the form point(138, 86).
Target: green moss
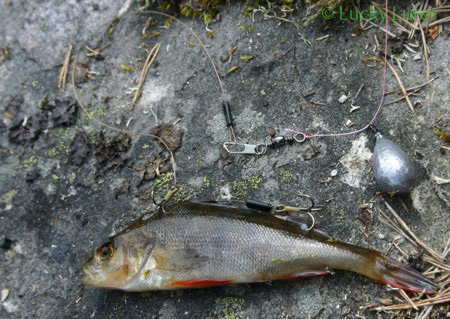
point(43, 102)
point(228, 306)
point(59, 132)
point(55, 177)
point(30, 161)
point(206, 182)
point(53, 152)
point(61, 148)
point(285, 176)
point(208, 9)
point(164, 180)
point(92, 136)
point(182, 194)
point(255, 181)
point(240, 189)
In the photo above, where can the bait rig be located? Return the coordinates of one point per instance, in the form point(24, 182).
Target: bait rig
point(394, 171)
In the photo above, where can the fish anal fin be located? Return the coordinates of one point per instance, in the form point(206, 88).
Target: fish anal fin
point(201, 283)
point(305, 274)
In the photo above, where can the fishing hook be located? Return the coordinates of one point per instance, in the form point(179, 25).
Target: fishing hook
point(166, 198)
point(307, 210)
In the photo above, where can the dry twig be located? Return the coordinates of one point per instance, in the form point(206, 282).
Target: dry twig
point(417, 87)
point(425, 50)
point(408, 230)
point(148, 63)
point(401, 86)
point(65, 69)
point(406, 297)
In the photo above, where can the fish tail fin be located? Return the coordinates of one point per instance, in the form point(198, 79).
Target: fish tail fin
point(398, 275)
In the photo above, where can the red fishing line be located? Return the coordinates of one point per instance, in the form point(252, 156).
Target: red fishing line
point(306, 135)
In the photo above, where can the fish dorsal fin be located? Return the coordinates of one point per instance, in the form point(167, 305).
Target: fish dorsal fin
point(302, 223)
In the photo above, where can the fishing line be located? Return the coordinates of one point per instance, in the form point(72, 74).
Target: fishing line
point(307, 136)
point(253, 149)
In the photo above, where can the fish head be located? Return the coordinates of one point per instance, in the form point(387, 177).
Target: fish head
point(117, 262)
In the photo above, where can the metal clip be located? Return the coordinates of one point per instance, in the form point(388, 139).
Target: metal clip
point(300, 137)
point(241, 148)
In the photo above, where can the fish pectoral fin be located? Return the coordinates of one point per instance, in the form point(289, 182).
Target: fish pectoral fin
point(305, 274)
point(183, 259)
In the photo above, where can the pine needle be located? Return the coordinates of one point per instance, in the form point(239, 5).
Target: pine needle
point(148, 63)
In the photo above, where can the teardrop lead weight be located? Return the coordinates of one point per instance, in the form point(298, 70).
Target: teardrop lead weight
point(394, 171)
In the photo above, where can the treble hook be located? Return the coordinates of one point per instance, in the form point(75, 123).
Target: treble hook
point(285, 208)
point(166, 198)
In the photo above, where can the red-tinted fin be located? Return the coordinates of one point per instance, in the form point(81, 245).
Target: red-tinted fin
point(201, 283)
point(401, 276)
point(305, 274)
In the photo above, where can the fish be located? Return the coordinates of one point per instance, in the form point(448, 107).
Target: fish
point(202, 244)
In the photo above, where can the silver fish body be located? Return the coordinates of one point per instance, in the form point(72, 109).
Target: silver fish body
point(195, 245)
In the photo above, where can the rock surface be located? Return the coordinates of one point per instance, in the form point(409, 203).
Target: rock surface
point(53, 212)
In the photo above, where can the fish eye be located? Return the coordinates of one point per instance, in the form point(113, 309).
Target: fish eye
point(105, 251)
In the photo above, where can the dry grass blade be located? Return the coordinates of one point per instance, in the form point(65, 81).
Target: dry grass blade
point(441, 298)
point(395, 227)
point(148, 63)
point(425, 50)
point(379, 7)
point(65, 69)
point(437, 264)
point(406, 297)
point(402, 98)
point(423, 307)
point(405, 94)
point(414, 88)
point(408, 230)
point(441, 21)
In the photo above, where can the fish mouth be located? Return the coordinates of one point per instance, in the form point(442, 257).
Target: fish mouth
point(88, 277)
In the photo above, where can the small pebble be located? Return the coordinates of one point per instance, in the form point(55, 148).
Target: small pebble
point(343, 98)
point(225, 56)
point(349, 123)
point(271, 132)
point(381, 236)
point(5, 294)
point(334, 173)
